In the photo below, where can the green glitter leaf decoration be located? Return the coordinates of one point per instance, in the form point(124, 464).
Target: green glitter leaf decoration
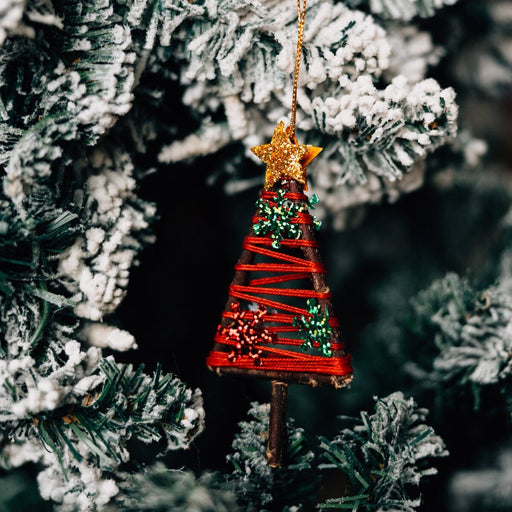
point(316, 329)
point(277, 217)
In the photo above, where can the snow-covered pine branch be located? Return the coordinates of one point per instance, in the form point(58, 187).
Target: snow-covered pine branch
point(470, 328)
point(240, 65)
point(71, 227)
point(84, 452)
point(255, 484)
point(403, 10)
point(159, 488)
point(384, 456)
point(98, 263)
point(63, 405)
point(159, 20)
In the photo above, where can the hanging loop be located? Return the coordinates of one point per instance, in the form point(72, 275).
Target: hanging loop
point(301, 18)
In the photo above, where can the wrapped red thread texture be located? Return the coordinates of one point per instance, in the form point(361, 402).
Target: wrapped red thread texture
point(279, 317)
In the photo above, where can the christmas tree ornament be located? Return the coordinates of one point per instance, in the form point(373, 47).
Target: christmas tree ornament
point(278, 322)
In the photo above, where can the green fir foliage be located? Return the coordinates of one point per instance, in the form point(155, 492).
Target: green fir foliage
point(383, 456)
point(129, 403)
point(470, 329)
point(239, 54)
point(257, 486)
point(160, 489)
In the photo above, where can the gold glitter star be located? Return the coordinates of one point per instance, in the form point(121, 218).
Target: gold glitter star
point(285, 158)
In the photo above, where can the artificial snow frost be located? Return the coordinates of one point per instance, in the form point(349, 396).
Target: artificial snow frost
point(46, 397)
point(48, 386)
point(384, 131)
point(361, 49)
point(90, 487)
point(255, 482)
point(81, 101)
point(11, 12)
point(15, 455)
point(161, 488)
point(473, 330)
point(412, 52)
point(405, 10)
point(103, 335)
point(210, 139)
point(385, 454)
point(84, 490)
point(192, 422)
point(99, 265)
point(164, 20)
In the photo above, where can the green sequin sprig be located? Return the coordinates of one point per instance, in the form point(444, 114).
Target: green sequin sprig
point(316, 329)
point(277, 216)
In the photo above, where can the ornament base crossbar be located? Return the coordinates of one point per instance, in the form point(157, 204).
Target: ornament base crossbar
point(278, 322)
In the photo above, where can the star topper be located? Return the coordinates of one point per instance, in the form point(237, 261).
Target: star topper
point(285, 158)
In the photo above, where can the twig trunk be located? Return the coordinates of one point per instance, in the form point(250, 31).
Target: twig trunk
point(277, 442)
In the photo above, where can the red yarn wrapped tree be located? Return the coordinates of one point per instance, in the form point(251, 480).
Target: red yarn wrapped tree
point(278, 322)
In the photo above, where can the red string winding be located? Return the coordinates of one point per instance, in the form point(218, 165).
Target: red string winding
point(282, 354)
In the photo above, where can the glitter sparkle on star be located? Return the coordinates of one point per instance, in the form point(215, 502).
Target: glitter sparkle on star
point(285, 158)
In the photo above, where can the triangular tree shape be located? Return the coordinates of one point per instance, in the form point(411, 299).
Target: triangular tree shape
point(278, 322)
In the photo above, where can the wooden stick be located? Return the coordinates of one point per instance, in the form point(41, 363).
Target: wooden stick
point(311, 379)
point(277, 442)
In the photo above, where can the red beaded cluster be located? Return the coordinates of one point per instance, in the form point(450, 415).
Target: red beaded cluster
point(245, 332)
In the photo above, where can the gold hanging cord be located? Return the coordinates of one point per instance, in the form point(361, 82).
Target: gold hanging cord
point(301, 18)
point(285, 158)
